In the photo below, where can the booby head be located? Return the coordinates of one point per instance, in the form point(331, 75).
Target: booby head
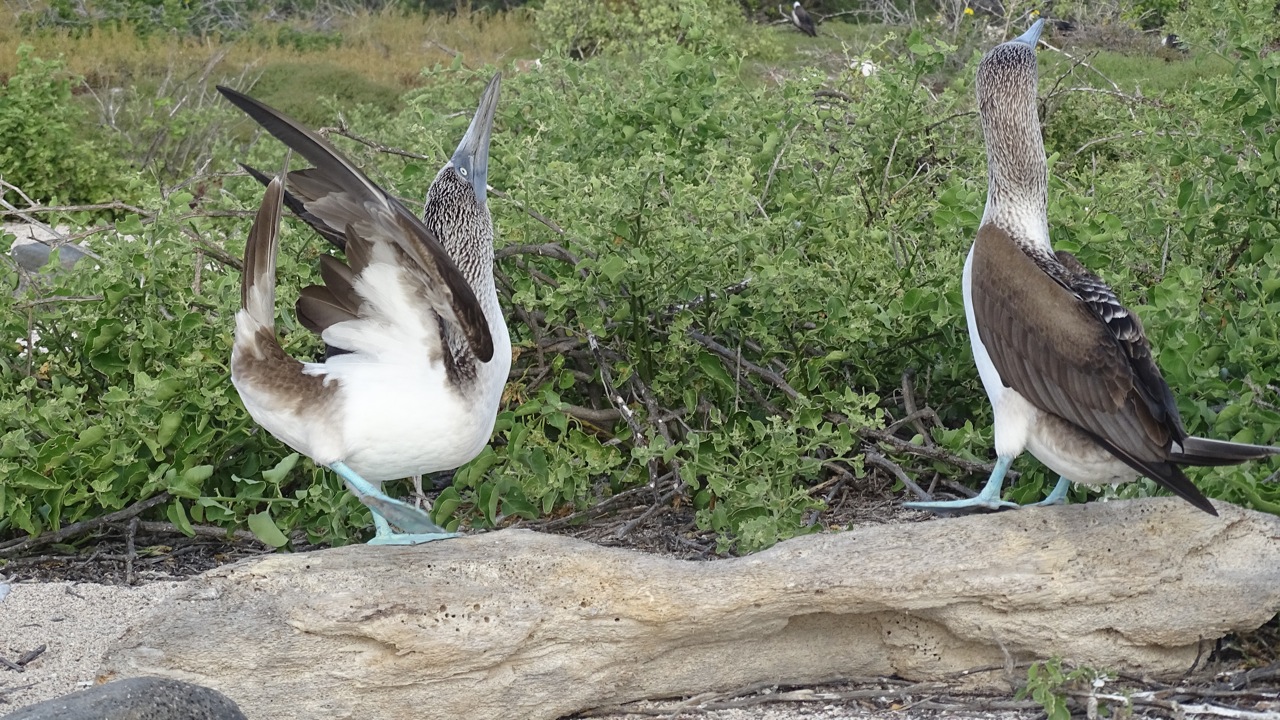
point(456, 208)
point(469, 166)
point(1017, 173)
point(1007, 80)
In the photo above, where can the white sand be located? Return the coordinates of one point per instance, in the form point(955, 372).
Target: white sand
point(76, 621)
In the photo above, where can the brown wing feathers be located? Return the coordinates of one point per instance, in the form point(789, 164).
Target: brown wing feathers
point(1048, 344)
point(297, 207)
point(258, 278)
point(335, 194)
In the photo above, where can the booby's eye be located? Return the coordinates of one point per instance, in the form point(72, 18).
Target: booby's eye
point(462, 171)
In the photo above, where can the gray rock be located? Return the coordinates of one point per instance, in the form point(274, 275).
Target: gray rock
point(33, 255)
point(140, 698)
point(33, 244)
point(516, 624)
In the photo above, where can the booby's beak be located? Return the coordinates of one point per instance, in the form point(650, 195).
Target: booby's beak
point(1032, 35)
point(472, 156)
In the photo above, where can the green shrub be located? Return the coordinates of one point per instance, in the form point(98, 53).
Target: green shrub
point(1234, 24)
point(675, 178)
point(125, 394)
point(733, 280)
point(197, 17)
point(47, 147)
point(585, 27)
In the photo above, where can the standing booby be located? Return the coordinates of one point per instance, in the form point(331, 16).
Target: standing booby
point(1067, 368)
point(422, 351)
point(802, 20)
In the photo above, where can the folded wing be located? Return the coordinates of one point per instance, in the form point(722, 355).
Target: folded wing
point(1064, 343)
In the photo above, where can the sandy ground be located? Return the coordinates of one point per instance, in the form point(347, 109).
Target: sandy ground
point(77, 621)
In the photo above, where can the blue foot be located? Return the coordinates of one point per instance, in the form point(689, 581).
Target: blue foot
point(1058, 496)
point(384, 535)
point(988, 499)
point(410, 538)
point(389, 510)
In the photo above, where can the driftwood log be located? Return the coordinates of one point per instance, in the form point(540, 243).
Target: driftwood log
point(520, 624)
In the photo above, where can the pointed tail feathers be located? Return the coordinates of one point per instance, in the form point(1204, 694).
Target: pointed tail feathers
point(1206, 452)
point(1172, 477)
point(258, 281)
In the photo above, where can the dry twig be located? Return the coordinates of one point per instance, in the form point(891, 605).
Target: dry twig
point(14, 547)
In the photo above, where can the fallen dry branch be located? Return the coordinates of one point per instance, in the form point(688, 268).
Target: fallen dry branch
point(15, 547)
point(931, 453)
point(770, 693)
point(324, 634)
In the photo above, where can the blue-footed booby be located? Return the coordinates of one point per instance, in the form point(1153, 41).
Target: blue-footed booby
point(802, 20)
point(419, 348)
point(1067, 367)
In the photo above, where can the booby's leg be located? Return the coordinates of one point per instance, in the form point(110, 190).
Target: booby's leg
point(419, 497)
point(1058, 496)
point(988, 499)
point(390, 511)
point(381, 527)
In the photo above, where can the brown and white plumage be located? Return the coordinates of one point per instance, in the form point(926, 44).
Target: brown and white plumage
point(421, 348)
point(1067, 367)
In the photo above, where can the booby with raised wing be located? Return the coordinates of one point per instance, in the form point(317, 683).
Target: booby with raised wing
point(1067, 368)
point(422, 350)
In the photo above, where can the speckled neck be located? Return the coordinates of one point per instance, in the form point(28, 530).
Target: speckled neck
point(465, 229)
point(1017, 174)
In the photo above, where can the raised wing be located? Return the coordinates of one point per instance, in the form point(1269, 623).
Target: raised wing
point(336, 196)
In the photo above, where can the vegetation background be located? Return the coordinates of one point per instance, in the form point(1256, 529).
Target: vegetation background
point(729, 253)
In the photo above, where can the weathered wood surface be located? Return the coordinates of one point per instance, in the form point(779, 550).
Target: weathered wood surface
point(516, 624)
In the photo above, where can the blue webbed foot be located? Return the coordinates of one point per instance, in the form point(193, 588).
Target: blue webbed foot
point(970, 504)
point(417, 525)
point(988, 499)
point(386, 536)
point(410, 538)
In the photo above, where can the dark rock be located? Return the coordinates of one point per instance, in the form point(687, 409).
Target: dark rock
point(141, 698)
point(35, 255)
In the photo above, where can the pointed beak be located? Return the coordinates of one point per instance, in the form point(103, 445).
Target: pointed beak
point(473, 151)
point(1032, 35)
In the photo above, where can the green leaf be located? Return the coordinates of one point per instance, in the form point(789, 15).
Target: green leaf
point(447, 503)
point(32, 479)
point(116, 395)
point(612, 267)
point(89, 437)
point(129, 225)
point(188, 483)
point(169, 423)
point(197, 474)
point(277, 474)
point(264, 528)
point(711, 365)
point(177, 515)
